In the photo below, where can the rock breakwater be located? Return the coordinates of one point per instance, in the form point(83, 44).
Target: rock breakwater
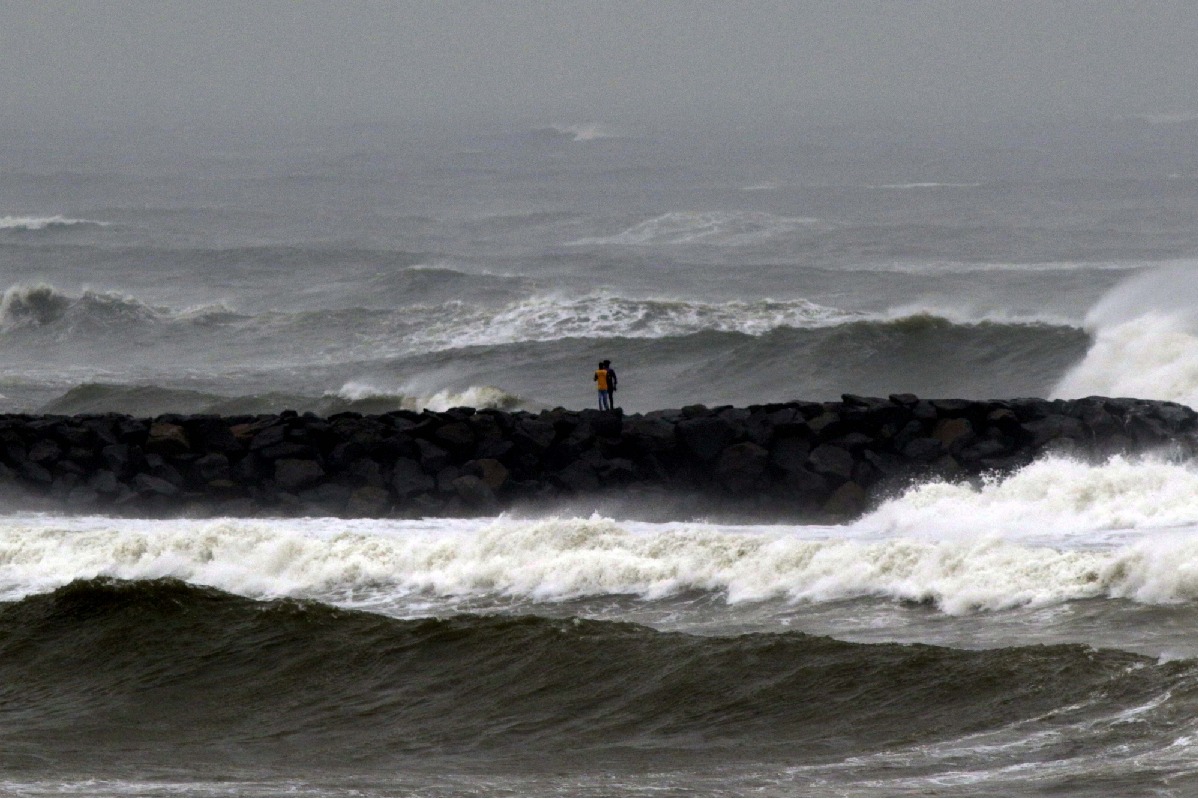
point(794, 460)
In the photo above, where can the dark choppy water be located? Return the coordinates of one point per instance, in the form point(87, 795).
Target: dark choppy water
point(1030, 636)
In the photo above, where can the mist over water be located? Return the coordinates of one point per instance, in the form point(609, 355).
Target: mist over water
point(950, 637)
point(263, 275)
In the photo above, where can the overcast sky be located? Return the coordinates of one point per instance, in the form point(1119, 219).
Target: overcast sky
point(228, 63)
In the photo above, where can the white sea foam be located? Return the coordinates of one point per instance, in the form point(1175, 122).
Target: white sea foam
point(1068, 531)
point(722, 228)
point(586, 131)
point(18, 223)
point(549, 318)
point(438, 400)
point(544, 318)
point(1145, 340)
point(943, 267)
point(926, 185)
point(1054, 500)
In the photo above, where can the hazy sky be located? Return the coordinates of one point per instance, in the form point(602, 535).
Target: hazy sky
point(225, 63)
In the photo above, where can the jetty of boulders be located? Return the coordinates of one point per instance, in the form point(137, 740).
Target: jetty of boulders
point(790, 460)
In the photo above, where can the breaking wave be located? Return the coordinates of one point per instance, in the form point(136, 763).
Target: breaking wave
point(547, 318)
point(1120, 530)
point(586, 131)
point(550, 318)
point(41, 305)
point(722, 228)
point(309, 691)
point(1144, 341)
point(356, 396)
point(37, 223)
point(455, 324)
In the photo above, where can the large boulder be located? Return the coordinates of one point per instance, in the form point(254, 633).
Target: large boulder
point(741, 466)
point(293, 475)
point(493, 473)
point(831, 461)
point(409, 479)
point(705, 437)
point(165, 438)
point(368, 501)
point(475, 494)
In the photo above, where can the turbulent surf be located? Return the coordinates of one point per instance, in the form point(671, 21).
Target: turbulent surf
point(1022, 633)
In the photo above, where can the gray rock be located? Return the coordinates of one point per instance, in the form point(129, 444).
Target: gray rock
point(579, 477)
point(534, 435)
point(651, 435)
point(831, 461)
point(789, 454)
point(475, 494)
point(805, 483)
point(330, 497)
point(432, 458)
point(103, 482)
point(955, 432)
point(1051, 428)
point(44, 452)
point(368, 501)
point(740, 467)
point(846, 501)
point(35, 473)
point(82, 497)
point(493, 473)
point(704, 437)
point(148, 484)
point(213, 466)
point(268, 437)
point(457, 437)
point(165, 438)
point(293, 474)
point(923, 450)
point(409, 479)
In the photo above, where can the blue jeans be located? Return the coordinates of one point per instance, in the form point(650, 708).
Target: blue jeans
point(604, 400)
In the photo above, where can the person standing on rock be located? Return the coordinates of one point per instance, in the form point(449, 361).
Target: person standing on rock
point(611, 385)
point(602, 385)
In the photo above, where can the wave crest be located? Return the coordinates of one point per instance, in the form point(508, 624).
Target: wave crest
point(42, 305)
point(1145, 341)
point(550, 318)
point(935, 545)
point(26, 306)
point(723, 228)
point(38, 223)
point(362, 392)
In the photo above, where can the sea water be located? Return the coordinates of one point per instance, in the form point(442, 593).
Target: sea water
point(1029, 634)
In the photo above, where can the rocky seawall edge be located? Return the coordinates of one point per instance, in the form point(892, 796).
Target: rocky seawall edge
point(781, 461)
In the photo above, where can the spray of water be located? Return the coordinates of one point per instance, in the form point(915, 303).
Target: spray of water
point(1145, 340)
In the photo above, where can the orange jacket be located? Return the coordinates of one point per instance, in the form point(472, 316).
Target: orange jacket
point(601, 379)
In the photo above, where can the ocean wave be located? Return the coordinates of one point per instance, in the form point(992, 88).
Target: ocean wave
point(456, 324)
point(544, 318)
point(943, 267)
point(40, 305)
point(1145, 340)
point(303, 689)
point(1052, 500)
point(926, 185)
point(357, 396)
point(585, 131)
point(548, 318)
point(361, 392)
point(932, 546)
point(38, 223)
point(722, 228)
